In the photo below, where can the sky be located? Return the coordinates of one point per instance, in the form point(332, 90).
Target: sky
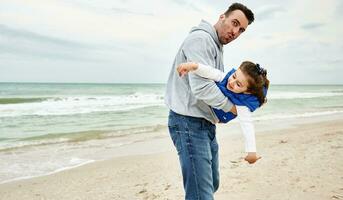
point(131, 41)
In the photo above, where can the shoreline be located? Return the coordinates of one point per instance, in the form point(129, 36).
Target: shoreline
point(146, 141)
point(310, 167)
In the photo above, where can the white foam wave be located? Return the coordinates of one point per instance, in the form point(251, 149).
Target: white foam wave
point(81, 104)
point(300, 95)
point(11, 144)
point(297, 115)
point(21, 175)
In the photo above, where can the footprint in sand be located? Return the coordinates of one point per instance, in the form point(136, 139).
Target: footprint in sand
point(142, 191)
point(234, 166)
point(167, 187)
point(139, 184)
point(283, 141)
point(336, 196)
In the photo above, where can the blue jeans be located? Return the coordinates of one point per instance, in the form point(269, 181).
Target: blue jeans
point(197, 147)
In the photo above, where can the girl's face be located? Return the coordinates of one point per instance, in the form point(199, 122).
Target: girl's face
point(238, 82)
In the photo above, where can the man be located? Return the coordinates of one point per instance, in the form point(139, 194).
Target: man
point(191, 120)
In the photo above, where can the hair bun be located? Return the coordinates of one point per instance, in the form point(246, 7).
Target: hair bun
point(260, 70)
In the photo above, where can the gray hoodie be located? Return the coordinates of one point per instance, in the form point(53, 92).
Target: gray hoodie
point(193, 95)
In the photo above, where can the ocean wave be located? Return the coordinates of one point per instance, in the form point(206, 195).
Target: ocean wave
point(337, 91)
point(21, 174)
point(297, 115)
point(21, 100)
point(301, 95)
point(11, 144)
point(81, 105)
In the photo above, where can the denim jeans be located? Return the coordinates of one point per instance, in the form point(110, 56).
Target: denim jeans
point(197, 147)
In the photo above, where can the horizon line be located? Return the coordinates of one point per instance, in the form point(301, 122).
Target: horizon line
point(338, 84)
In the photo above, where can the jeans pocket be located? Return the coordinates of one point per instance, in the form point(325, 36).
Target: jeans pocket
point(214, 145)
point(175, 136)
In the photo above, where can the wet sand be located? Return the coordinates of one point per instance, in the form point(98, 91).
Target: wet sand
point(301, 159)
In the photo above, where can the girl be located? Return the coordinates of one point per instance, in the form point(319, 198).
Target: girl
point(246, 87)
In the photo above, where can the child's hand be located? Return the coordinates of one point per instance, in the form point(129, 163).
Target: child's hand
point(184, 68)
point(233, 110)
point(251, 158)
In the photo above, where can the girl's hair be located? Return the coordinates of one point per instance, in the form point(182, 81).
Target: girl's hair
point(257, 80)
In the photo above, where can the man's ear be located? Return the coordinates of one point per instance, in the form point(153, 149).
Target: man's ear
point(222, 17)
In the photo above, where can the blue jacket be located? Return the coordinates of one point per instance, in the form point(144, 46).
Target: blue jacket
point(239, 99)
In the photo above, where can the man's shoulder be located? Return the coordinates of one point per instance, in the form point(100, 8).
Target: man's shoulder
point(199, 34)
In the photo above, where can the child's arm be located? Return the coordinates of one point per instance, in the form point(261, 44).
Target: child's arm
point(201, 70)
point(245, 120)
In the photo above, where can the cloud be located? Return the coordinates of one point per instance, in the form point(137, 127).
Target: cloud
point(268, 12)
point(22, 43)
point(339, 9)
point(198, 6)
point(35, 37)
point(311, 26)
point(336, 62)
point(130, 12)
point(107, 40)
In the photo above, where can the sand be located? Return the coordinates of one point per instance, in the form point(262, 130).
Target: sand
point(301, 159)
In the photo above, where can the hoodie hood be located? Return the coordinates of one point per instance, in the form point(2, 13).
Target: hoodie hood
point(208, 28)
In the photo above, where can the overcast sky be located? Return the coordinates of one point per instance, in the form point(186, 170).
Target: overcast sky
point(131, 41)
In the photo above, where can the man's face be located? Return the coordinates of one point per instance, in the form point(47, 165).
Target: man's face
point(230, 27)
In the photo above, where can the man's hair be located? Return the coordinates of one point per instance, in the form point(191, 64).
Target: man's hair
point(247, 12)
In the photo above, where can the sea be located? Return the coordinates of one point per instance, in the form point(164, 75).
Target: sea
point(49, 127)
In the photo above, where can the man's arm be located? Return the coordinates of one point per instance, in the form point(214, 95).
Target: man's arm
point(200, 50)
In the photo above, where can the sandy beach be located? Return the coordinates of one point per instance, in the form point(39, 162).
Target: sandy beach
point(301, 159)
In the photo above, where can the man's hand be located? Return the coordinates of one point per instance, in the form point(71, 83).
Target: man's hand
point(184, 68)
point(251, 158)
